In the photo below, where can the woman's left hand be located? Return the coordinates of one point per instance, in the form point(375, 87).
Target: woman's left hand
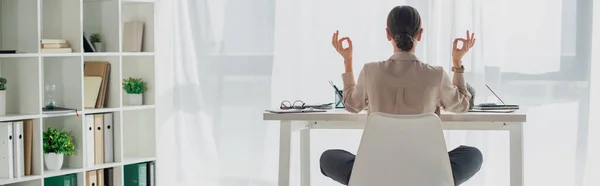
point(346, 53)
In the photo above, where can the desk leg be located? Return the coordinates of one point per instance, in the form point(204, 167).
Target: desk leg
point(285, 141)
point(516, 155)
point(305, 157)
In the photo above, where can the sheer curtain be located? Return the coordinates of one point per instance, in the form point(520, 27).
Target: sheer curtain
point(531, 52)
point(187, 31)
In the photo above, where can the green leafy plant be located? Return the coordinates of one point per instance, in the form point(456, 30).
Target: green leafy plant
point(96, 38)
point(2, 83)
point(59, 142)
point(134, 85)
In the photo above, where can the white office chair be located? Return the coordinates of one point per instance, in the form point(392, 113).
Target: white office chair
point(402, 150)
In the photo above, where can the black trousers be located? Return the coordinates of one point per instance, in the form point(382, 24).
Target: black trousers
point(464, 160)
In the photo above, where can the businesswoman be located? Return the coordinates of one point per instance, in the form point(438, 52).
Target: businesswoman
point(403, 84)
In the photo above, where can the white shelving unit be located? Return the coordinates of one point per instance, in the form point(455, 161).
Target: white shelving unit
point(23, 24)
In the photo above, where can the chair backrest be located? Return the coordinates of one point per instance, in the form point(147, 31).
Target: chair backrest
point(407, 150)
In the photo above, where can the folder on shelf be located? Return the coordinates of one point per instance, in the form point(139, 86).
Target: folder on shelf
point(89, 141)
point(28, 144)
point(135, 174)
point(151, 174)
point(18, 149)
point(108, 177)
point(99, 138)
point(108, 138)
point(64, 180)
point(91, 178)
point(6, 151)
point(99, 69)
point(100, 177)
point(91, 85)
point(133, 34)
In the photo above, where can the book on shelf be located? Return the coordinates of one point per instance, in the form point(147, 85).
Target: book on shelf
point(91, 89)
point(28, 144)
point(99, 69)
point(53, 41)
point(87, 44)
point(56, 50)
point(55, 46)
point(8, 51)
point(133, 34)
point(58, 110)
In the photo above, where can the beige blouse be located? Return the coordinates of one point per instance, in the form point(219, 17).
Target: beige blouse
point(404, 85)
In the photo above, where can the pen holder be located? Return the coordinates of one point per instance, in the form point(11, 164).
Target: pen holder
point(472, 92)
point(339, 101)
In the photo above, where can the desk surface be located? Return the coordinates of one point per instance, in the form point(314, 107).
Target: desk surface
point(343, 115)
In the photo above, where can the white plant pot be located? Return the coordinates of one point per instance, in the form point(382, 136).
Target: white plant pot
point(53, 161)
point(135, 99)
point(2, 102)
point(99, 46)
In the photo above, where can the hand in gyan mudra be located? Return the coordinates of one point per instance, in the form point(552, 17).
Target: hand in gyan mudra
point(339, 47)
point(458, 53)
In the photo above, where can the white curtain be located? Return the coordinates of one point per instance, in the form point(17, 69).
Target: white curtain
point(222, 62)
point(187, 154)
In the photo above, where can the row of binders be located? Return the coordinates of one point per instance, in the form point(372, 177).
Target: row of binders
point(140, 174)
point(100, 137)
point(16, 140)
point(101, 177)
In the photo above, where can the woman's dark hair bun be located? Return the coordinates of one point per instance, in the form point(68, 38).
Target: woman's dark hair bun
point(404, 25)
point(404, 41)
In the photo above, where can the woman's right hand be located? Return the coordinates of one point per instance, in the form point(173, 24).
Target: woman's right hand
point(458, 53)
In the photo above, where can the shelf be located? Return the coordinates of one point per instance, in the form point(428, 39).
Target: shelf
point(103, 166)
point(101, 54)
point(16, 117)
point(19, 55)
point(63, 171)
point(138, 1)
point(59, 115)
point(142, 107)
point(129, 161)
point(23, 25)
point(100, 110)
point(138, 54)
point(21, 179)
point(60, 54)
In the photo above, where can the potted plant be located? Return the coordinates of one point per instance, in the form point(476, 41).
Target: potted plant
point(96, 40)
point(135, 88)
point(2, 96)
point(56, 145)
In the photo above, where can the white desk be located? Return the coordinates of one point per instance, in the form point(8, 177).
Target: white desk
point(340, 119)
